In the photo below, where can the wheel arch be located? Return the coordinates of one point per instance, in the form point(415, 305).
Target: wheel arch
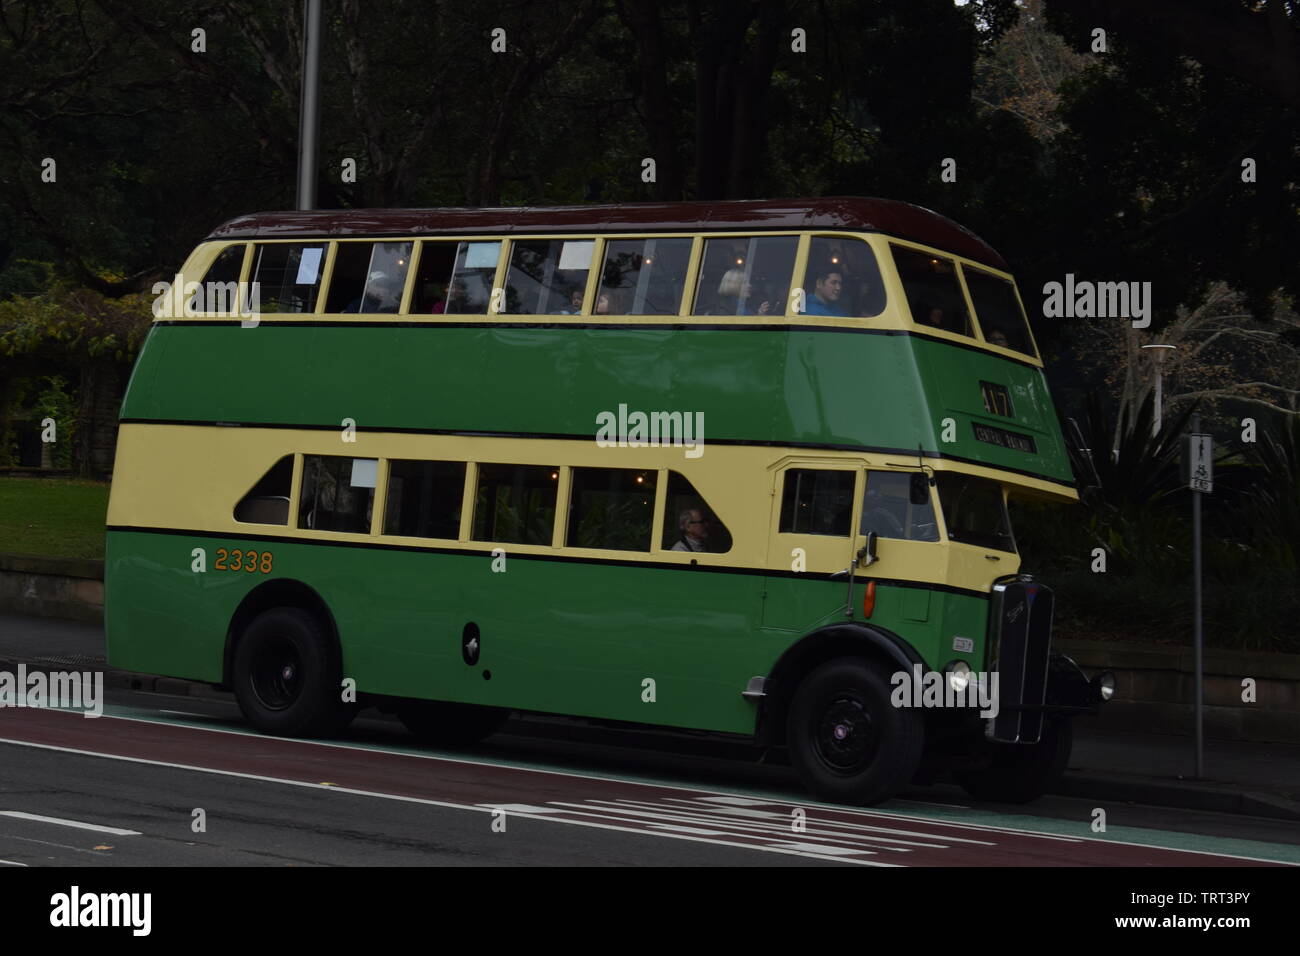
point(282, 592)
point(849, 639)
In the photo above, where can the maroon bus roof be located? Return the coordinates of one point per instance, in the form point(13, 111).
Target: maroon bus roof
point(846, 213)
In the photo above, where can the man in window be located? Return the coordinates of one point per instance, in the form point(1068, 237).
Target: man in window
point(694, 525)
point(828, 285)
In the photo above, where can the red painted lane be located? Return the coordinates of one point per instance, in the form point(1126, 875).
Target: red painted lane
point(855, 836)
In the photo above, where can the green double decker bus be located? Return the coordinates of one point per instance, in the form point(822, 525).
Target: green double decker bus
point(738, 467)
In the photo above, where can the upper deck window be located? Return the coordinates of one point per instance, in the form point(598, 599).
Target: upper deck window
point(368, 277)
point(643, 276)
point(288, 275)
point(745, 275)
point(548, 276)
point(454, 277)
point(842, 278)
point(219, 292)
point(933, 290)
point(1001, 318)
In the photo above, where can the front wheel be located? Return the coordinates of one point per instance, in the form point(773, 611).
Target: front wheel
point(288, 676)
point(848, 743)
point(1020, 773)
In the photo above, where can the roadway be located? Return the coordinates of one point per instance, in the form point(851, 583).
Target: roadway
point(123, 789)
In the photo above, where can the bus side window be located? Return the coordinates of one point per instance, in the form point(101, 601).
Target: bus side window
point(644, 276)
point(219, 292)
point(368, 277)
point(548, 276)
point(860, 292)
point(689, 523)
point(817, 501)
point(424, 498)
point(515, 504)
point(611, 508)
point(434, 277)
point(337, 493)
point(1001, 319)
point(470, 292)
point(288, 275)
point(745, 275)
point(267, 502)
point(887, 508)
point(933, 291)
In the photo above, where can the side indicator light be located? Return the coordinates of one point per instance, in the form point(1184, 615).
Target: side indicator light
point(869, 599)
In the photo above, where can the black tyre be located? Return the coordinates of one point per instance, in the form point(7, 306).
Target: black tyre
point(288, 676)
point(452, 725)
point(1021, 773)
point(848, 743)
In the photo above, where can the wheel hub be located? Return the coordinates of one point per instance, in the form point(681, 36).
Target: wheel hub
point(845, 736)
point(276, 674)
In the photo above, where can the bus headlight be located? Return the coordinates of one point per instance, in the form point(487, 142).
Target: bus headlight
point(957, 673)
point(1104, 684)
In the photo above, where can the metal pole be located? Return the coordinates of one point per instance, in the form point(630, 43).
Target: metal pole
point(1196, 615)
point(1155, 425)
point(309, 105)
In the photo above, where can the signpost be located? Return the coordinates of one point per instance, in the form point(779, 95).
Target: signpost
point(1199, 458)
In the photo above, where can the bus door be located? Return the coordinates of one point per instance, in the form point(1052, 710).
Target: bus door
point(899, 507)
point(815, 503)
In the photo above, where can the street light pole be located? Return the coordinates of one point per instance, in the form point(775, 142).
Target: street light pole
point(309, 105)
point(1159, 357)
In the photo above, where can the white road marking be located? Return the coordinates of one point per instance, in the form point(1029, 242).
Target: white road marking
point(11, 863)
point(830, 827)
point(77, 824)
point(873, 813)
point(425, 801)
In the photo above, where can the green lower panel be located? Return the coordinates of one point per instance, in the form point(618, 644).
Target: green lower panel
point(558, 637)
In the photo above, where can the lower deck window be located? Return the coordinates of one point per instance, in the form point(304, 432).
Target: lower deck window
point(338, 494)
point(424, 498)
point(515, 504)
point(689, 523)
point(611, 508)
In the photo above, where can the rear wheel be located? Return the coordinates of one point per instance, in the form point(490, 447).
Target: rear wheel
point(847, 742)
point(1020, 773)
point(288, 676)
point(446, 724)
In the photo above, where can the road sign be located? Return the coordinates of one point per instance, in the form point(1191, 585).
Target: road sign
point(1200, 463)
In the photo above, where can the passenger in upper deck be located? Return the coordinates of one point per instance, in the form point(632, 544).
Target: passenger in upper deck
point(735, 290)
point(575, 303)
point(828, 284)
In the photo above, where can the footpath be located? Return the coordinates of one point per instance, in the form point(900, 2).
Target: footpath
point(1257, 779)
